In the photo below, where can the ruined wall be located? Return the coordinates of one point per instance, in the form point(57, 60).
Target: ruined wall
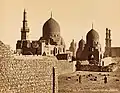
point(66, 66)
point(26, 74)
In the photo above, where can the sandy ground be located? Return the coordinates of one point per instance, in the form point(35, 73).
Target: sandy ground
point(69, 83)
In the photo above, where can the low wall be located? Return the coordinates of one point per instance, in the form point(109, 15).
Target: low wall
point(65, 67)
point(88, 68)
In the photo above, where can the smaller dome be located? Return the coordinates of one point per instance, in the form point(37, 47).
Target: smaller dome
point(62, 41)
point(72, 45)
point(81, 43)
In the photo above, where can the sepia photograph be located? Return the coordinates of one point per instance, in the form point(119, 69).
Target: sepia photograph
point(59, 46)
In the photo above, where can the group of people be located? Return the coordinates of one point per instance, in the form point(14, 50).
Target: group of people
point(80, 79)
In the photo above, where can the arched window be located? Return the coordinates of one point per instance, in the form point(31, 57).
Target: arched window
point(58, 51)
point(92, 49)
point(89, 48)
point(63, 49)
point(51, 52)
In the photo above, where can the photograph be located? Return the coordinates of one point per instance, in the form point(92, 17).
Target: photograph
point(59, 46)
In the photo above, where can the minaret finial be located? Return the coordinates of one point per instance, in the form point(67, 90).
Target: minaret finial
point(82, 37)
point(72, 39)
point(24, 15)
point(24, 9)
point(51, 14)
point(92, 25)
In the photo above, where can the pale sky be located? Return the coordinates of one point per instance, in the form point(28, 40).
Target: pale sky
point(75, 18)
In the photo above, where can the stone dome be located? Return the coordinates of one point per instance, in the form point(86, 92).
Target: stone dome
point(51, 28)
point(92, 37)
point(81, 43)
point(62, 41)
point(72, 45)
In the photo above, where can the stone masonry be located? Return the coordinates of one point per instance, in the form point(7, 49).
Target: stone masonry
point(26, 74)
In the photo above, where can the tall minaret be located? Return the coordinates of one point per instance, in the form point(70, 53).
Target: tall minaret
point(107, 38)
point(24, 29)
point(108, 43)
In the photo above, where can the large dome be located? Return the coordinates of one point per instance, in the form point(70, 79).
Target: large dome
point(92, 37)
point(51, 28)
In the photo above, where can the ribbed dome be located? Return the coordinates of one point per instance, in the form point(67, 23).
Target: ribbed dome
point(92, 37)
point(92, 34)
point(51, 28)
point(81, 43)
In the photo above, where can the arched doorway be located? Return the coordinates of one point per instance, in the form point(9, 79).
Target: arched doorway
point(91, 57)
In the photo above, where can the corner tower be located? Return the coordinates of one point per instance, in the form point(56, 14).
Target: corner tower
point(24, 29)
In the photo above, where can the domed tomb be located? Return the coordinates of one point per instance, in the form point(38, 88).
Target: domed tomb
point(51, 29)
point(92, 38)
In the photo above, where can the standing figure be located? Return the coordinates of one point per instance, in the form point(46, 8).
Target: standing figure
point(79, 78)
point(105, 79)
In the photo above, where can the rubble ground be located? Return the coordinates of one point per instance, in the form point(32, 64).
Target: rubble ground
point(91, 82)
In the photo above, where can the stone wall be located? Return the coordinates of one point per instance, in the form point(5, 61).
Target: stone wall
point(65, 67)
point(27, 74)
point(30, 74)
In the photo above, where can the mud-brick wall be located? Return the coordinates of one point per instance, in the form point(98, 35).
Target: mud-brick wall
point(66, 67)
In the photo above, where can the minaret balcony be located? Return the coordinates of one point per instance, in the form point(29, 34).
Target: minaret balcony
point(25, 30)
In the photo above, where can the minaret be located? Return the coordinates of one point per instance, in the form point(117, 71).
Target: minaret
point(107, 38)
point(108, 43)
point(24, 29)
